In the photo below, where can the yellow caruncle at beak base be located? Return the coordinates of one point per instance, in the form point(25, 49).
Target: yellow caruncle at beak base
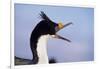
point(60, 25)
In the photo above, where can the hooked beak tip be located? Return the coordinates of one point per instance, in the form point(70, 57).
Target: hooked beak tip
point(67, 24)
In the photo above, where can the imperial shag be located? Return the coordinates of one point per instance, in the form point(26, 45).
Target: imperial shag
point(45, 29)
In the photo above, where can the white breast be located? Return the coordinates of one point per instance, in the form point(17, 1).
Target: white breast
point(42, 49)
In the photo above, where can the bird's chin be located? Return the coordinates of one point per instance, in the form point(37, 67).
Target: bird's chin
point(53, 36)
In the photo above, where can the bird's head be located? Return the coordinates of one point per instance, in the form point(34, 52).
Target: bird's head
point(53, 27)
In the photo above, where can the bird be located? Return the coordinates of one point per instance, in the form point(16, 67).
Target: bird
point(44, 30)
point(39, 36)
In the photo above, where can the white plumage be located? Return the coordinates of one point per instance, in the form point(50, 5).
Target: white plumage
point(42, 49)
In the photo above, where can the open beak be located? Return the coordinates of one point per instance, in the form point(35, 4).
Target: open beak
point(60, 37)
point(59, 27)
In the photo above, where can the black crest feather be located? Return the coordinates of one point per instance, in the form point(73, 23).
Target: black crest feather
point(44, 16)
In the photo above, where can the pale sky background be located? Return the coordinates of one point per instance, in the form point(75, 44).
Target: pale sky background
point(81, 33)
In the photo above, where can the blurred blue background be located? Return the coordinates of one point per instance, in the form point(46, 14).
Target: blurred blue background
point(81, 33)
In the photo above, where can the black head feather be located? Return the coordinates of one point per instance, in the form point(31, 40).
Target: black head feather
point(45, 17)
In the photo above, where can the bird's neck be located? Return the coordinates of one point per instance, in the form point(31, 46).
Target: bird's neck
point(42, 49)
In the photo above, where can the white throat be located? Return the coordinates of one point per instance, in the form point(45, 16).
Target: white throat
point(42, 49)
